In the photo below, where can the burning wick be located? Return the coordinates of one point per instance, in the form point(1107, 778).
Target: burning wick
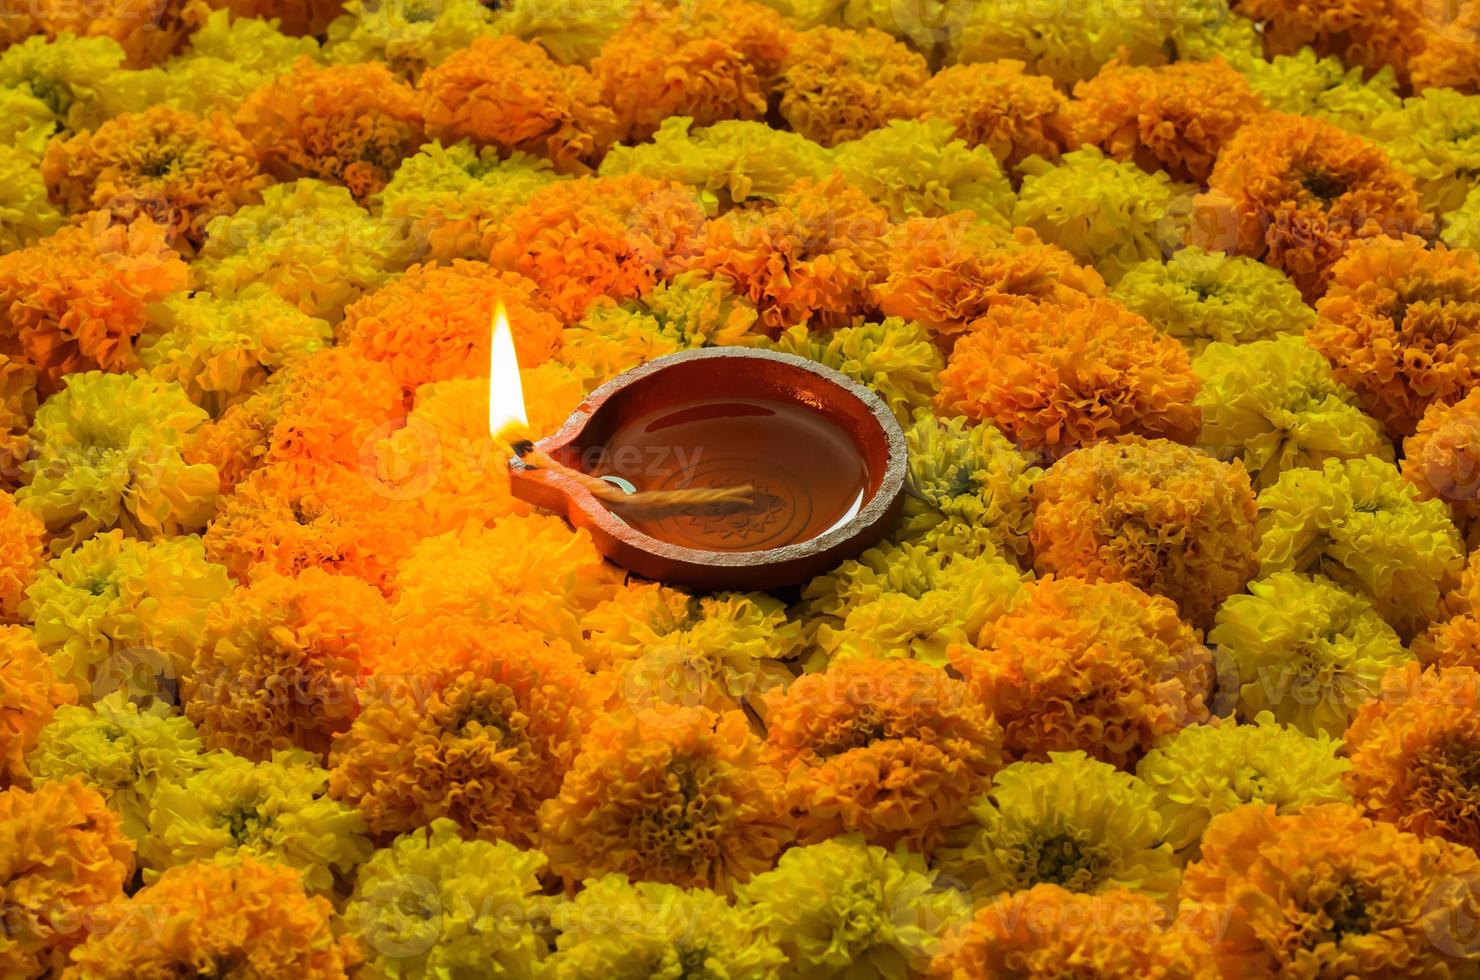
point(507, 421)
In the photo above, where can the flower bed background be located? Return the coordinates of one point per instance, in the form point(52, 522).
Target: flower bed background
point(1168, 670)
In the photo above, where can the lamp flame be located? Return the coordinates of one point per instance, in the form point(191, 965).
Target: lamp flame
point(505, 390)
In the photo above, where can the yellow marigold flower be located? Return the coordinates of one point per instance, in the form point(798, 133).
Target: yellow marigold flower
point(1303, 84)
point(410, 36)
point(73, 76)
point(280, 662)
point(896, 358)
point(1170, 520)
point(275, 810)
point(1297, 192)
point(837, 84)
point(727, 163)
point(474, 725)
point(226, 60)
point(649, 931)
point(1109, 214)
point(999, 105)
point(808, 258)
point(448, 201)
point(65, 858)
point(121, 750)
point(1358, 523)
point(29, 694)
point(350, 124)
point(309, 242)
point(1400, 325)
point(970, 489)
point(573, 35)
point(920, 169)
point(106, 452)
point(26, 126)
point(1070, 821)
point(1305, 650)
point(508, 93)
point(177, 168)
point(1451, 55)
point(1428, 138)
point(1116, 934)
point(26, 214)
point(1054, 378)
point(1327, 892)
point(889, 749)
point(1205, 770)
point(1462, 225)
point(76, 300)
point(221, 350)
point(950, 271)
point(22, 550)
point(841, 908)
point(1274, 406)
point(207, 915)
point(434, 905)
point(1372, 34)
point(905, 600)
point(679, 796)
point(1095, 666)
point(1206, 297)
point(1442, 458)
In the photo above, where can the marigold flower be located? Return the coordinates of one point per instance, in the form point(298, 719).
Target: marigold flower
point(1400, 325)
point(1165, 518)
point(1070, 821)
point(29, 694)
point(22, 549)
point(350, 124)
point(1358, 523)
point(73, 77)
point(26, 214)
point(465, 723)
point(309, 242)
point(332, 404)
point(896, 358)
point(147, 37)
point(223, 62)
point(1296, 192)
point(1450, 57)
point(17, 408)
point(998, 105)
point(508, 93)
point(836, 84)
point(1462, 225)
point(409, 36)
point(76, 300)
point(679, 796)
point(432, 904)
point(248, 916)
point(280, 661)
point(64, 858)
point(599, 237)
point(1116, 934)
point(573, 35)
point(808, 258)
point(918, 169)
point(1426, 138)
point(1206, 297)
point(1372, 34)
point(1303, 84)
point(1326, 891)
point(1452, 643)
point(1056, 378)
point(1442, 458)
point(1096, 666)
point(889, 749)
point(841, 905)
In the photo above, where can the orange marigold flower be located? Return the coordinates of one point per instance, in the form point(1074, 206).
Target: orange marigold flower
point(807, 258)
point(673, 795)
point(237, 442)
point(891, 749)
point(998, 105)
point(177, 168)
point(1451, 50)
point(433, 323)
point(950, 271)
point(508, 93)
point(22, 550)
point(1114, 935)
point(148, 34)
point(351, 124)
point(1295, 192)
point(29, 693)
point(1326, 892)
point(1453, 643)
point(1174, 118)
point(244, 917)
point(599, 237)
point(299, 18)
point(76, 301)
point(1400, 325)
point(1166, 518)
point(332, 405)
point(280, 662)
point(17, 406)
point(63, 856)
point(1101, 667)
point(1370, 33)
point(1415, 750)
point(1442, 458)
point(1059, 377)
point(468, 722)
point(709, 60)
point(838, 84)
